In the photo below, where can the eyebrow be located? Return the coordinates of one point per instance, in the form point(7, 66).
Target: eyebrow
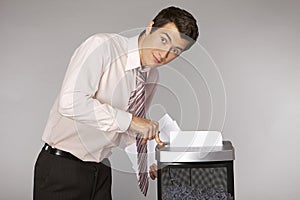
point(167, 35)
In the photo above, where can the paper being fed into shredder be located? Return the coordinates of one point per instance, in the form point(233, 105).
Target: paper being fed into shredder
point(195, 138)
point(171, 134)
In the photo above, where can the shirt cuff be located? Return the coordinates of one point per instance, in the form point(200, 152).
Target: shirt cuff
point(123, 119)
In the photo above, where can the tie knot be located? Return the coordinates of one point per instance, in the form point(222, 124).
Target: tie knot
point(140, 76)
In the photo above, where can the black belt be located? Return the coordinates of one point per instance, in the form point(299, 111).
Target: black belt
point(59, 152)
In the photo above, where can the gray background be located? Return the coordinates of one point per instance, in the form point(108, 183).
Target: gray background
point(255, 45)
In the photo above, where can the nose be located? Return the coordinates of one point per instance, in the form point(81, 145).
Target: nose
point(164, 54)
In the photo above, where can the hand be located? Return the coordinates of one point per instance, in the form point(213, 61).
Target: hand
point(157, 139)
point(153, 171)
point(147, 128)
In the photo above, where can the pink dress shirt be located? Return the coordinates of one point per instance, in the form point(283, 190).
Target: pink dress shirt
point(89, 115)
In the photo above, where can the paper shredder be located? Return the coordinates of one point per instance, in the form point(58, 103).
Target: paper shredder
point(195, 173)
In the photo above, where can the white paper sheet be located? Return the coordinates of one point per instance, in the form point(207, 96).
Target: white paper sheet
point(195, 138)
point(166, 125)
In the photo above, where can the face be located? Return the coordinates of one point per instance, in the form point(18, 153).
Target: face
point(161, 46)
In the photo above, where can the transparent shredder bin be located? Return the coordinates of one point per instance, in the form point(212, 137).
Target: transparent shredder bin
point(195, 172)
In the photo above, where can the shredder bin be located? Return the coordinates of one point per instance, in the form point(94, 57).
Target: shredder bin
point(192, 173)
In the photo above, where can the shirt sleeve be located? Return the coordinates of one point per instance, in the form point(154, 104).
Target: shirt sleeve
point(77, 97)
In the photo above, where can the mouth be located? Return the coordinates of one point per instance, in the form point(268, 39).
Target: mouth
point(156, 60)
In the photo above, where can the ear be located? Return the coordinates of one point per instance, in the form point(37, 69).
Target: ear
point(149, 27)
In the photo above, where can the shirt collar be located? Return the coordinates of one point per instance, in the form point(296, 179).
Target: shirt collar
point(133, 55)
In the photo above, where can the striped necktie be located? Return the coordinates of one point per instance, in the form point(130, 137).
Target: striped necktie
point(137, 107)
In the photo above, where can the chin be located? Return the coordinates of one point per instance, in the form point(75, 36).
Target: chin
point(154, 66)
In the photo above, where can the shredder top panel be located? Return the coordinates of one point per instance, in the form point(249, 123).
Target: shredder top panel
point(195, 154)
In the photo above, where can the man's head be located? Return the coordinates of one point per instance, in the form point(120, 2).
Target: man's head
point(183, 20)
point(171, 32)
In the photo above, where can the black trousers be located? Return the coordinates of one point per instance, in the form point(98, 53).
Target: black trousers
point(58, 178)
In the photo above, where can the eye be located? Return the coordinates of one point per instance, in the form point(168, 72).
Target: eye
point(163, 40)
point(175, 51)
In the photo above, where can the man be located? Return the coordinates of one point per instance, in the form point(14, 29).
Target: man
point(91, 113)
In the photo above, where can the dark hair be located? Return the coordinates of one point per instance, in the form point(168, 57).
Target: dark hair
point(184, 21)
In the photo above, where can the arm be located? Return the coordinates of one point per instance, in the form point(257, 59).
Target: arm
point(152, 86)
point(76, 100)
point(147, 127)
